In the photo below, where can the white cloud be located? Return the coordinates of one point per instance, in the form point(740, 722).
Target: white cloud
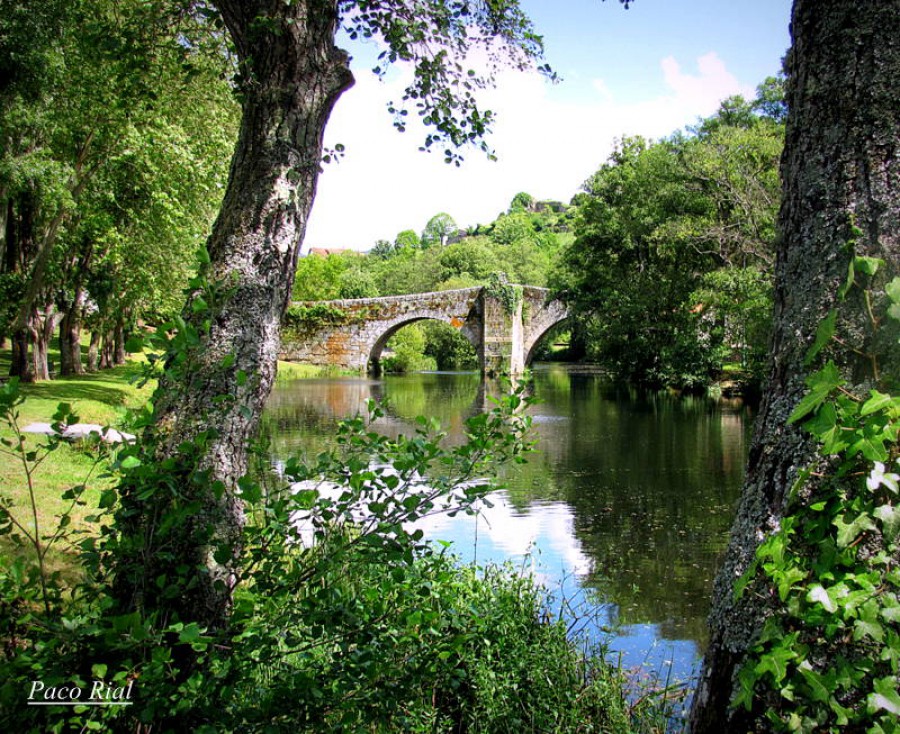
point(546, 146)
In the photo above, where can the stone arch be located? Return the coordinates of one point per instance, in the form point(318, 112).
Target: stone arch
point(532, 345)
point(375, 349)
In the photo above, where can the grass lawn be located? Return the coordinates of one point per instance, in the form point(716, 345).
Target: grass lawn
point(101, 397)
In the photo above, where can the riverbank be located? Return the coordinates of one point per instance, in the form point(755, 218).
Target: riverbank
point(503, 662)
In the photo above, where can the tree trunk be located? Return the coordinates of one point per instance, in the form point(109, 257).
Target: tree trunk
point(106, 351)
point(212, 399)
point(118, 353)
point(841, 182)
point(93, 360)
point(21, 366)
point(70, 339)
point(41, 325)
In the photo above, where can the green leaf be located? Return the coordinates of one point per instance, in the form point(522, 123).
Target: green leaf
point(884, 697)
point(818, 594)
point(893, 290)
point(131, 462)
point(867, 265)
point(814, 679)
point(823, 336)
point(877, 402)
point(847, 532)
point(190, 633)
point(848, 284)
point(890, 521)
point(821, 384)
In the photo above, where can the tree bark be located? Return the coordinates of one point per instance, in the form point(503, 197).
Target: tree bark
point(20, 365)
point(93, 359)
point(70, 338)
point(41, 325)
point(840, 198)
point(212, 399)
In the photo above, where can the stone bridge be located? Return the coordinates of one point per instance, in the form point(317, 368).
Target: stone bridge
point(351, 334)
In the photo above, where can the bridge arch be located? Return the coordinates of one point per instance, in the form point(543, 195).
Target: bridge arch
point(531, 348)
point(465, 328)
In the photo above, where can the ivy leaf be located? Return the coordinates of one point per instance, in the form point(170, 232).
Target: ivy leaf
point(818, 594)
point(890, 521)
point(847, 532)
point(877, 402)
point(775, 662)
point(823, 336)
point(816, 682)
point(884, 697)
point(867, 265)
point(872, 447)
point(820, 385)
point(824, 426)
point(848, 284)
point(868, 624)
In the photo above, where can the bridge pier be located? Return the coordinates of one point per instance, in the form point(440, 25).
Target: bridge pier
point(503, 348)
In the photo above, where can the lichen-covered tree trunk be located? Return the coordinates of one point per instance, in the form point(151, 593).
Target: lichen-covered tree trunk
point(292, 76)
point(841, 198)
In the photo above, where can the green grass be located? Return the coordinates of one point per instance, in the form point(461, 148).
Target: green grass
point(103, 397)
point(295, 371)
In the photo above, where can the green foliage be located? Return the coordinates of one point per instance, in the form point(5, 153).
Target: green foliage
point(300, 319)
point(509, 295)
point(740, 302)
point(334, 276)
point(440, 228)
point(449, 348)
point(669, 271)
point(408, 351)
point(828, 659)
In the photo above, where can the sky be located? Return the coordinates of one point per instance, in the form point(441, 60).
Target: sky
point(650, 70)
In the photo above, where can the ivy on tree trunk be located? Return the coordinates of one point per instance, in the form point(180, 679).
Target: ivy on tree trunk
point(841, 181)
point(292, 76)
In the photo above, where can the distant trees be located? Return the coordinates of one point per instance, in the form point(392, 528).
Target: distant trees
point(440, 228)
point(657, 227)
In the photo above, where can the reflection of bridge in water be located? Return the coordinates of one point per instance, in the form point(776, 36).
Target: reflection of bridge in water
point(451, 398)
point(504, 335)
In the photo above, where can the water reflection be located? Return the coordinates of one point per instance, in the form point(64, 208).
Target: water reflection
point(627, 503)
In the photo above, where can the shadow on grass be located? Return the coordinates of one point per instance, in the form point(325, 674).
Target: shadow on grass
point(97, 386)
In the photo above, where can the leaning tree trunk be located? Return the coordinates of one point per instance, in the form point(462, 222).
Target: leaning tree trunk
point(212, 395)
point(841, 197)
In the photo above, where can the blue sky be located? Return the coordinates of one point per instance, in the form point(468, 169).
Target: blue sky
point(648, 70)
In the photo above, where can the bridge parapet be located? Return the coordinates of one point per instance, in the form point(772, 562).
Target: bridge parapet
point(352, 333)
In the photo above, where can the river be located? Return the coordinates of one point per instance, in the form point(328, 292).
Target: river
point(623, 512)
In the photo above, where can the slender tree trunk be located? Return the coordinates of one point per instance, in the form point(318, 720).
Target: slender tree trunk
point(41, 325)
point(93, 359)
point(840, 173)
point(118, 352)
point(107, 351)
point(70, 338)
point(213, 398)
